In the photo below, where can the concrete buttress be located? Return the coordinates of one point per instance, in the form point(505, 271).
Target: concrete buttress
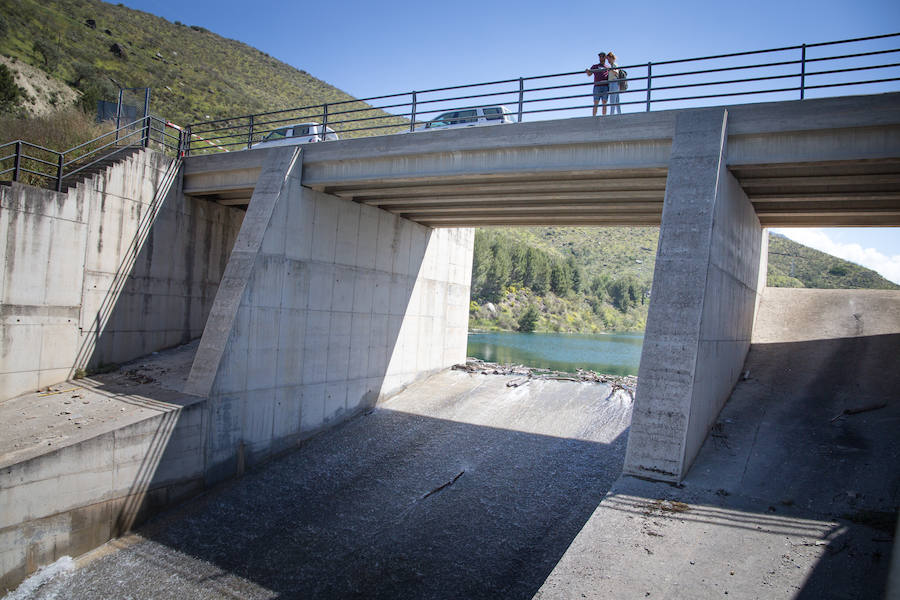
point(705, 291)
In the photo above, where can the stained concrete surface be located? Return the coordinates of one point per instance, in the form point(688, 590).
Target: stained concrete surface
point(460, 487)
point(464, 488)
point(76, 410)
point(793, 495)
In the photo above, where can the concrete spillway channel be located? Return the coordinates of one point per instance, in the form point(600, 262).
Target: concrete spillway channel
point(460, 487)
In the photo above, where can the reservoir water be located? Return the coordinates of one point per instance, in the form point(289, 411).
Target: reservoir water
point(609, 354)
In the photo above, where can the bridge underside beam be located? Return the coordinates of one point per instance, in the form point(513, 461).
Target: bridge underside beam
point(588, 197)
point(825, 193)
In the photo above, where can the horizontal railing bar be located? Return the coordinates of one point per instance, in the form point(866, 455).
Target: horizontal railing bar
point(759, 66)
point(783, 49)
point(35, 146)
point(39, 160)
point(105, 135)
point(854, 40)
point(97, 150)
point(38, 173)
point(770, 77)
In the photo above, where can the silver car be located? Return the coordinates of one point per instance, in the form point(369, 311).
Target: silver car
point(297, 133)
point(469, 117)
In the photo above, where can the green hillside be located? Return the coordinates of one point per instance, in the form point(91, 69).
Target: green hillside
point(792, 264)
point(603, 277)
point(194, 73)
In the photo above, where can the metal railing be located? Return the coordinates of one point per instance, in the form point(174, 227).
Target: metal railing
point(788, 73)
point(43, 167)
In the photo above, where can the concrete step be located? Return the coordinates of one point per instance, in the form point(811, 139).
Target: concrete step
point(115, 157)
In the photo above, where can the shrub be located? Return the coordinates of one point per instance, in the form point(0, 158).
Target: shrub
point(10, 92)
point(58, 131)
point(529, 319)
point(48, 52)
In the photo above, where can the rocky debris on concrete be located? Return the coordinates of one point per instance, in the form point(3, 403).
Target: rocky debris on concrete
point(58, 414)
point(626, 383)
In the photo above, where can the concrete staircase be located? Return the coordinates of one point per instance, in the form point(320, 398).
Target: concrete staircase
point(115, 157)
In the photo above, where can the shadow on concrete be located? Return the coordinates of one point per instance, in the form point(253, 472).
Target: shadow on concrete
point(812, 434)
point(386, 505)
point(793, 494)
point(160, 292)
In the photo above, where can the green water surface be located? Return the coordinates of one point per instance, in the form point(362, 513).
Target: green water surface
point(610, 354)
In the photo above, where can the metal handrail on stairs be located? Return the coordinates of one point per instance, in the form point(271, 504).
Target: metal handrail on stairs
point(25, 162)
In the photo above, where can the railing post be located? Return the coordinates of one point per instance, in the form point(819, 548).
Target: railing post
point(59, 171)
point(521, 96)
point(17, 163)
point(649, 80)
point(119, 115)
point(187, 140)
point(250, 135)
point(145, 139)
point(324, 122)
point(412, 114)
point(803, 71)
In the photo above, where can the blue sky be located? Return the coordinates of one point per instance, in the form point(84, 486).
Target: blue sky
point(373, 48)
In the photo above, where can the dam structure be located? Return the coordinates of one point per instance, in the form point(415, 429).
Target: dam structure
point(323, 279)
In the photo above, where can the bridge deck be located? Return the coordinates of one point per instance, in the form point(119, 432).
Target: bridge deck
point(832, 161)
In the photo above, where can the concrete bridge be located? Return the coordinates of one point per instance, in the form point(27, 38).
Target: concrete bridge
point(345, 278)
point(712, 178)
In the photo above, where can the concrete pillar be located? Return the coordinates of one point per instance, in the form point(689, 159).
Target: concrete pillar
point(326, 306)
point(705, 291)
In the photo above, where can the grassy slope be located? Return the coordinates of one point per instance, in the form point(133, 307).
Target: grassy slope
point(192, 72)
point(815, 269)
point(619, 251)
point(615, 251)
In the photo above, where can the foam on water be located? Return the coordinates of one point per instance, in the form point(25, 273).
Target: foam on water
point(40, 577)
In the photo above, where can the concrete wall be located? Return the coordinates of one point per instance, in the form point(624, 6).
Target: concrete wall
point(77, 497)
point(799, 315)
point(116, 268)
point(326, 306)
point(705, 290)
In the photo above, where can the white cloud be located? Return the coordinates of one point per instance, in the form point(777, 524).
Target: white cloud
point(887, 266)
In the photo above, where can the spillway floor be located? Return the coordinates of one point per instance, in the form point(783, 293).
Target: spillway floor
point(459, 487)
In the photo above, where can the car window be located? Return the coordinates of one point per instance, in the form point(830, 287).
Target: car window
point(298, 131)
point(441, 121)
point(493, 113)
point(278, 134)
point(467, 116)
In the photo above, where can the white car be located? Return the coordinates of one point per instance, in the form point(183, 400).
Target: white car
point(469, 117)
point(297, 133)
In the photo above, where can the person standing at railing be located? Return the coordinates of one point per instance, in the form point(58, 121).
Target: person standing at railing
point(613, 78)
point(601, 87)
